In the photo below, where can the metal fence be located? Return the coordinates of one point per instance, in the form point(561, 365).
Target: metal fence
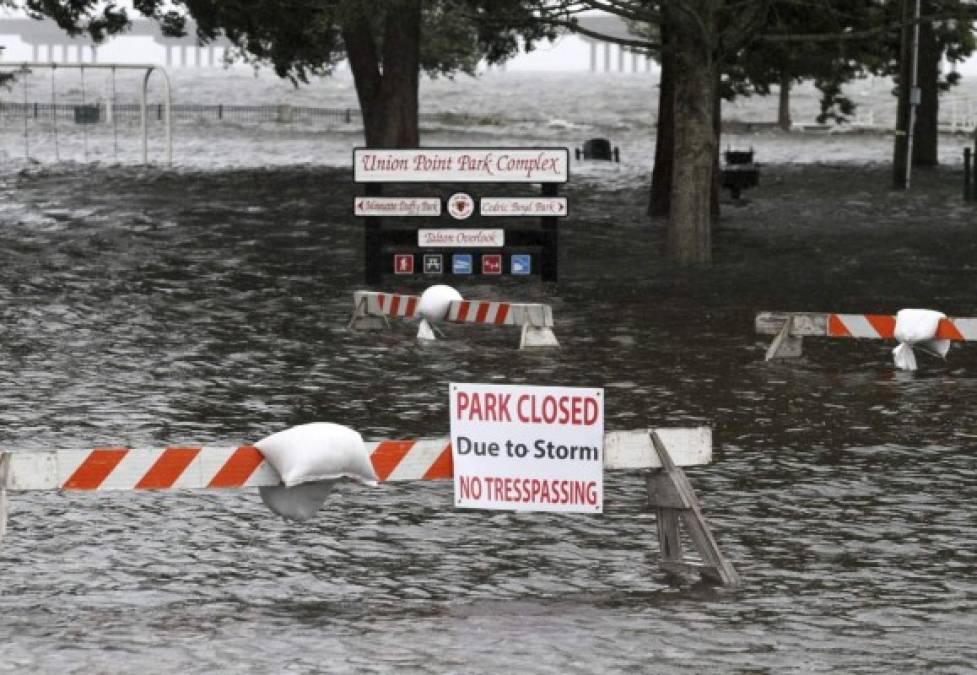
point(129, 112)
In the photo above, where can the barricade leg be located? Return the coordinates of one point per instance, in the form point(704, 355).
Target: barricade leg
point(785, 345)
point(537, 331)
point(675, 502)
point(426, 331)
point(361, 320)
point(537, 336)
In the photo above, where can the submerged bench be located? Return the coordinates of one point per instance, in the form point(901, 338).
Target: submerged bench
point(789, 329)
point(371, 311)
point(663, 451)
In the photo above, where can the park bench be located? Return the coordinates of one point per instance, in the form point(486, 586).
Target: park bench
point(598, 149)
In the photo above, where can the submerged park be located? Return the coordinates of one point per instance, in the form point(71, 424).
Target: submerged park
point(217, 303)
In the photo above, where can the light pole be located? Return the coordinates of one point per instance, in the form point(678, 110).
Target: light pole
point(914, 94)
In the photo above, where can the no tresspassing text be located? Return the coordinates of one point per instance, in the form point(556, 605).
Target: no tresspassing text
point(528, 490)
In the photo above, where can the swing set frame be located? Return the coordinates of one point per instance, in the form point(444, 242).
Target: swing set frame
point(143, 112)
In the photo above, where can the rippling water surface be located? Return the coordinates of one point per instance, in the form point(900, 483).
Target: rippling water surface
point(144, 307)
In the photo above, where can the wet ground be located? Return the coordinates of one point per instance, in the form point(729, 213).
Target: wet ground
point(143, 307)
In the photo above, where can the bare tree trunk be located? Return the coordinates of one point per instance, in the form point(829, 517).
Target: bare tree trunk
point(926, 137)
point(783, 110)
point(387, 82)
point(661, 175)
point(900, 152)
point(689, 227)
point(717, 129)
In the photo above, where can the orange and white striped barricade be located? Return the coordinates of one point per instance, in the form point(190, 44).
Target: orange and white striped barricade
point(213, 468)
point(789, 329)
point(371, 311)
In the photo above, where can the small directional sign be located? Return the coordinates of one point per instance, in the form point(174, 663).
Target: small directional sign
point(396, 206)
point(433, 263)
point(492, 264)
point(461, 263)
point(523, 206)
point(404, 263)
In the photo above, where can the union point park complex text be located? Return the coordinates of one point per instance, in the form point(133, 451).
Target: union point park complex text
point(485, 164)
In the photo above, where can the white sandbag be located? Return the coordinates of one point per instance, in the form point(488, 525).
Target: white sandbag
point(318, 451)
point(917, 328)
point(299, 502)
point(435, 302)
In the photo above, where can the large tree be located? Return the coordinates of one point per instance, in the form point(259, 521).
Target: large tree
point(944, 29)
point(749, 46)
point(388, 42)
point(696, 38)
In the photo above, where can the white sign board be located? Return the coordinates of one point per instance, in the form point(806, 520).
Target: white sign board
point(525, 448)
point(523, 206)
point(460, 238)
point(396, 206)
point(461, 165)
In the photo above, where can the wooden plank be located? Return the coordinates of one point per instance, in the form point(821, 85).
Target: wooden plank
point(785, 345)
point(873, 326)
point(802, 323)
point(669, 537)
point(53, 469)
point(517, 314)
point(663, 493)
point(634, 449)
point(715, 565)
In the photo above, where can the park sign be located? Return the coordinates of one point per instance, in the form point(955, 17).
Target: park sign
point(456, 231)
point(461, 165)
point(527, 448)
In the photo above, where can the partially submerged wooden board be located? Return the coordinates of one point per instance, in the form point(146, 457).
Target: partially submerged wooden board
point(868, 326)
point(370, 303)
point(206, 467)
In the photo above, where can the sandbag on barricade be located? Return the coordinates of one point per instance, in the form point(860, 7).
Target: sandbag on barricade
point(310, 458)
point(433, 307)
point(299, 502)
point(917, 328)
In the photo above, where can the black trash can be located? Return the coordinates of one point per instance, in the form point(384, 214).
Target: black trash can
point(87, 114)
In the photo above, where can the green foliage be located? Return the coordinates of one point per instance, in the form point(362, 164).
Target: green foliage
point(300, 39)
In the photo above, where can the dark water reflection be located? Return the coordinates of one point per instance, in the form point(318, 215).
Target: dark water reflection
point(148, 308)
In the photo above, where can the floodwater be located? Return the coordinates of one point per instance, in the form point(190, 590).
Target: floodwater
point(146, 307)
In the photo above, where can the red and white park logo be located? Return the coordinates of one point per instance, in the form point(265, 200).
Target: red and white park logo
point(461, 205)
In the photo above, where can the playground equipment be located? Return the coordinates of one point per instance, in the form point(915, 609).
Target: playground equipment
point(371, 311)
point(663, 451)
point(84, 114)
